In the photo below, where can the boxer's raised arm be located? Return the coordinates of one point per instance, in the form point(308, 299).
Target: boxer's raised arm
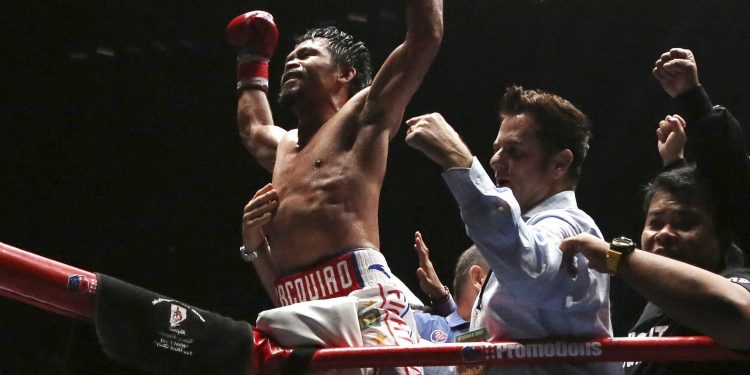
point(254, 34)
point(402, 72)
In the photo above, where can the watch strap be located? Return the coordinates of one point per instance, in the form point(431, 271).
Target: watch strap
point(613, 260)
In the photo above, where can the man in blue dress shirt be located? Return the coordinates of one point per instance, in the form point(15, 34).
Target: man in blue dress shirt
point(518, 220)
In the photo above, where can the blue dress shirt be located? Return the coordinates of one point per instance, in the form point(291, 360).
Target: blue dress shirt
point(530, 293)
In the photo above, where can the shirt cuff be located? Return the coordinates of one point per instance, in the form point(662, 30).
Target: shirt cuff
point(445, 308)
point(695, 104)
point(464, 182)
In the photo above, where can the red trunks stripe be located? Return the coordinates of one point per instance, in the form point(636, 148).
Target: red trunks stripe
point(336, 277)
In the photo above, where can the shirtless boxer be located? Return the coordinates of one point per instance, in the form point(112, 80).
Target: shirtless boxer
point(320, 213)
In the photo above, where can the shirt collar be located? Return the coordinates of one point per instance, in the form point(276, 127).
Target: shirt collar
point(454, 320)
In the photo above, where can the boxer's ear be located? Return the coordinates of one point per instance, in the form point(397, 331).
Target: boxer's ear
point(346, 74)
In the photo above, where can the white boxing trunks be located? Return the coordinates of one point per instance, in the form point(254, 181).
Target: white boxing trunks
point(352, 299)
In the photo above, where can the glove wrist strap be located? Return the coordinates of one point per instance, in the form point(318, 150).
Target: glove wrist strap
point(252, 73)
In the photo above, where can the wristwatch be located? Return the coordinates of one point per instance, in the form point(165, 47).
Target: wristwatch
point(251, 255)
point(619, 248)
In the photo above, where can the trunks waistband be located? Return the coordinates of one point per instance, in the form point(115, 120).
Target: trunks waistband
point(334, 277)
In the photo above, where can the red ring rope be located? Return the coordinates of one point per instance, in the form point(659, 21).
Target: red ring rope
point(46, 284)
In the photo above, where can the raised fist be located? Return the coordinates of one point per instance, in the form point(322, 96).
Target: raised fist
point(676, 71)
point(255, 35)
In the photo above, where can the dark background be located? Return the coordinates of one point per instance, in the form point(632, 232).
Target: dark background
point(119, 151)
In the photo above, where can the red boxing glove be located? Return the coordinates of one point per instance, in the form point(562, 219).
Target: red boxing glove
point(255, 36)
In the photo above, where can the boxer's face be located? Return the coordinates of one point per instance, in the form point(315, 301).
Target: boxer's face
point(520, 162)
point(681, 231)
point(309, 72)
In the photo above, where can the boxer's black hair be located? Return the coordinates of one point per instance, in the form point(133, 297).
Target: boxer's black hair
point(345, 51)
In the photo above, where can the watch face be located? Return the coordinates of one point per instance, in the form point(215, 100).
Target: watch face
point(622, 243)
